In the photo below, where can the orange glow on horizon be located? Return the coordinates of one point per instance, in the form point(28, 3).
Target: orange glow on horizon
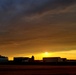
point(64, 54)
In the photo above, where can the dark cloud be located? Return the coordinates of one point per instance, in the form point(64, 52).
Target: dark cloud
point(12, 8)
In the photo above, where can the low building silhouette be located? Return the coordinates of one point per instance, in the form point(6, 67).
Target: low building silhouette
point(71, 61)
point(3, 59)
point(54, 59)
point(21, 59)
point(51, 59)
point(64, 59)
point(24, 59)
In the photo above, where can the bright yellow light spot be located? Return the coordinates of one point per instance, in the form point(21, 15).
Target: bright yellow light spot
point(46, 53)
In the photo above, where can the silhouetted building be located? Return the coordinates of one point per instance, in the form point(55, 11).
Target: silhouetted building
point(71, 61)
point(52, 59)
point(3, 59)
point(31, 59)
point(24, 59)
point(21, 59)
point(64, 59)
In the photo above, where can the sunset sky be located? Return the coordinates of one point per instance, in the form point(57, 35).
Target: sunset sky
point(33, 27)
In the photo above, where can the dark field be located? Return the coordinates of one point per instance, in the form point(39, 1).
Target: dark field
point(37, 70)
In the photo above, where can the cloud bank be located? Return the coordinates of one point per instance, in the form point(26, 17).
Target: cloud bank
point(12, 8)
point(29, 25)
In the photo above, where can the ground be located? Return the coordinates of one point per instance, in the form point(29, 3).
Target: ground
point(37, 70)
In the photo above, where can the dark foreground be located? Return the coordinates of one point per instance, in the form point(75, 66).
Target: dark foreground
point(37, 70)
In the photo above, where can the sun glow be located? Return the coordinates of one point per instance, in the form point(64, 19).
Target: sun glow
point(46, 54)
